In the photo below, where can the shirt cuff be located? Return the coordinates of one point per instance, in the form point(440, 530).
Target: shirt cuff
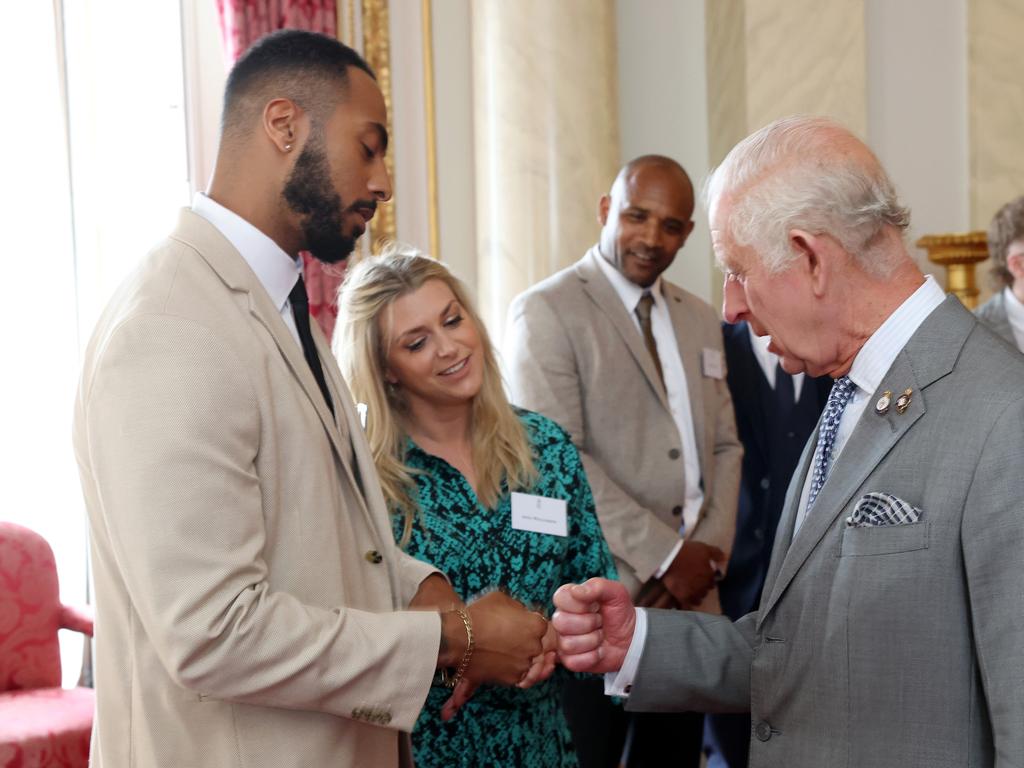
point(668, 560)
point(620, 683)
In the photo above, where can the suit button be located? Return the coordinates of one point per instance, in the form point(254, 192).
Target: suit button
point(758, 534)
point(373, 556)
point(791, 435)
point(765, 483)
point(677, 510)
point(763, 731)
point(674, 453)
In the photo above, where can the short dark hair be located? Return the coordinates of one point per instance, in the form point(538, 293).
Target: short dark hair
point(309, 68)
point(1006, 226)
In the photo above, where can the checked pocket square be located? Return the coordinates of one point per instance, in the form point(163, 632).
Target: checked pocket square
point(875, 509)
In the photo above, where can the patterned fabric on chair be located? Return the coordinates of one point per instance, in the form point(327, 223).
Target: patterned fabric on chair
point(41, 724)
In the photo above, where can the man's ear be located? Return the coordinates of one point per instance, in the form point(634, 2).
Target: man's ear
point(815, 257)
point(603, 206)
point(689, 231)
point(1015, 265)
point(282, 123)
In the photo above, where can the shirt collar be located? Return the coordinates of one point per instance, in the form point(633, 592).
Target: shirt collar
point(880, 350)
point(628, 291)
point(275, 269)
point(1014, 308)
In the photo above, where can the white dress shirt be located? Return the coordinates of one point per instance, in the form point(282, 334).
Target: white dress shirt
point(769, 362)
point(675, 378)
point(676, 389)
point(1015, 314)
point(275, 269)
point(869, 368)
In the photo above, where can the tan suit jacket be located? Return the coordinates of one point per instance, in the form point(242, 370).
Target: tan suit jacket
point(574, 354)
point(243, 619)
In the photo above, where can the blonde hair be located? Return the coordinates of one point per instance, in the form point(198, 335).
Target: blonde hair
point(500, 449)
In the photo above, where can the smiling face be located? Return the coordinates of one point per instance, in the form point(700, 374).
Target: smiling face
point(339, 177)
point(645, 220)
point(433, 349)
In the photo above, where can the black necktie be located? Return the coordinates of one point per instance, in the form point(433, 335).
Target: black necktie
point(300, 309)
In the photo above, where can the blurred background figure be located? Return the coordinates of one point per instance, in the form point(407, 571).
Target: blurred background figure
point(494, 495)
point(1004, 312)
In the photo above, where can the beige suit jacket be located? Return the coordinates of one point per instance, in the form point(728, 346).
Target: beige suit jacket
point(574, 354)
point(242, 617)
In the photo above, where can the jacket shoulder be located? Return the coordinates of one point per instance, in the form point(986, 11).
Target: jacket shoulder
point(564, 285)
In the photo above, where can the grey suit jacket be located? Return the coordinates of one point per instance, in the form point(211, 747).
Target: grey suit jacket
point(993, 314)
point(240, 621)
point(899, 645)
point(574, 354)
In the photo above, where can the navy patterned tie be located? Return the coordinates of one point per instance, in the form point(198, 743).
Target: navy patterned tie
point(842, 391)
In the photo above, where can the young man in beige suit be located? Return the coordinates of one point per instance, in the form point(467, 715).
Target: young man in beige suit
point(249, 591)
point(632, 366)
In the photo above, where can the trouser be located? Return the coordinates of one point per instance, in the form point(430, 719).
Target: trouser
point(603, 732)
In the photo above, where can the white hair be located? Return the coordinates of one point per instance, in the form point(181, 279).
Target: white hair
point(795, 174)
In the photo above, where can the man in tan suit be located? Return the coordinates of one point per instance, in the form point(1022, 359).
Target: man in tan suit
point(632, 366)
point(248, 585)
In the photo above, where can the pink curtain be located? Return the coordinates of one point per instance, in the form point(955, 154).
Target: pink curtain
point(242, 22)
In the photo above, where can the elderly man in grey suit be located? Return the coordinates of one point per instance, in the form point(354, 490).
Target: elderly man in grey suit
point(1004, 312)
point(632, 366)
point(891, 627)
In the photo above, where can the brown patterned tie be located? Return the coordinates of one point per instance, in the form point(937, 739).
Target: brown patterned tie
point(643, 313)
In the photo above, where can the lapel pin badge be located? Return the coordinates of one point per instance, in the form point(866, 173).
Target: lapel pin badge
point(903, 401)
point(882, 406)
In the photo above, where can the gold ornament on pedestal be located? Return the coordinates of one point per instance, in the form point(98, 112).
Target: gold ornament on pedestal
point(958, 253)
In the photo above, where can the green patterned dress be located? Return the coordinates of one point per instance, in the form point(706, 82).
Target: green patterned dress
point(479, 550)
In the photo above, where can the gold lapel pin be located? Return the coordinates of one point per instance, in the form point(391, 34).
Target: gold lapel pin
point(903, 401)
point(882, 406)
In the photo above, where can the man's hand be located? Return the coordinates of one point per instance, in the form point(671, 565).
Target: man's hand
point(595, 622)
point(507, 638)
point(691, 574)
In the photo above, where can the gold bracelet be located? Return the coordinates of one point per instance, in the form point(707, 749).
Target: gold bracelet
point(450, 681)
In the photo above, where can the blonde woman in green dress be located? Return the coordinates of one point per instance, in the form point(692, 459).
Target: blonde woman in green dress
point(494, 496)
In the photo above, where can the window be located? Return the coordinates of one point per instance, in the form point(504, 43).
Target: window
point(95, 168)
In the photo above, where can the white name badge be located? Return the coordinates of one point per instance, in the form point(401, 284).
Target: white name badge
point(713, 363)
point(539, 514)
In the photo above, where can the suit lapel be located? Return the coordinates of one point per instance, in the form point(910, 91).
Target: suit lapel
point(601, 292)
point(236, 274)
point(929, 355)
point(787, 521)
point(683, 323)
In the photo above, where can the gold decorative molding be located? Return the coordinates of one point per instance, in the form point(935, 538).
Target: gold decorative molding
point(428, 109)
point(958, 253)
point(377, 52)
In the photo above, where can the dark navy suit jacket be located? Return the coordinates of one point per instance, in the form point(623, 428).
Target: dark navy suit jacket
point(773, 434)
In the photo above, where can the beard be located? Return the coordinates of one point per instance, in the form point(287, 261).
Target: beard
point(310, 193)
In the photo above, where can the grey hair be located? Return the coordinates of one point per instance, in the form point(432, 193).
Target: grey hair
point(1006, 226)
point(795, 174)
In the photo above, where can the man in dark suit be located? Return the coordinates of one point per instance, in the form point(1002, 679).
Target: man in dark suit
point(775, 414)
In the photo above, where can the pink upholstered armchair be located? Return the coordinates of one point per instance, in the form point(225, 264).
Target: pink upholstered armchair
point(41, 724)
